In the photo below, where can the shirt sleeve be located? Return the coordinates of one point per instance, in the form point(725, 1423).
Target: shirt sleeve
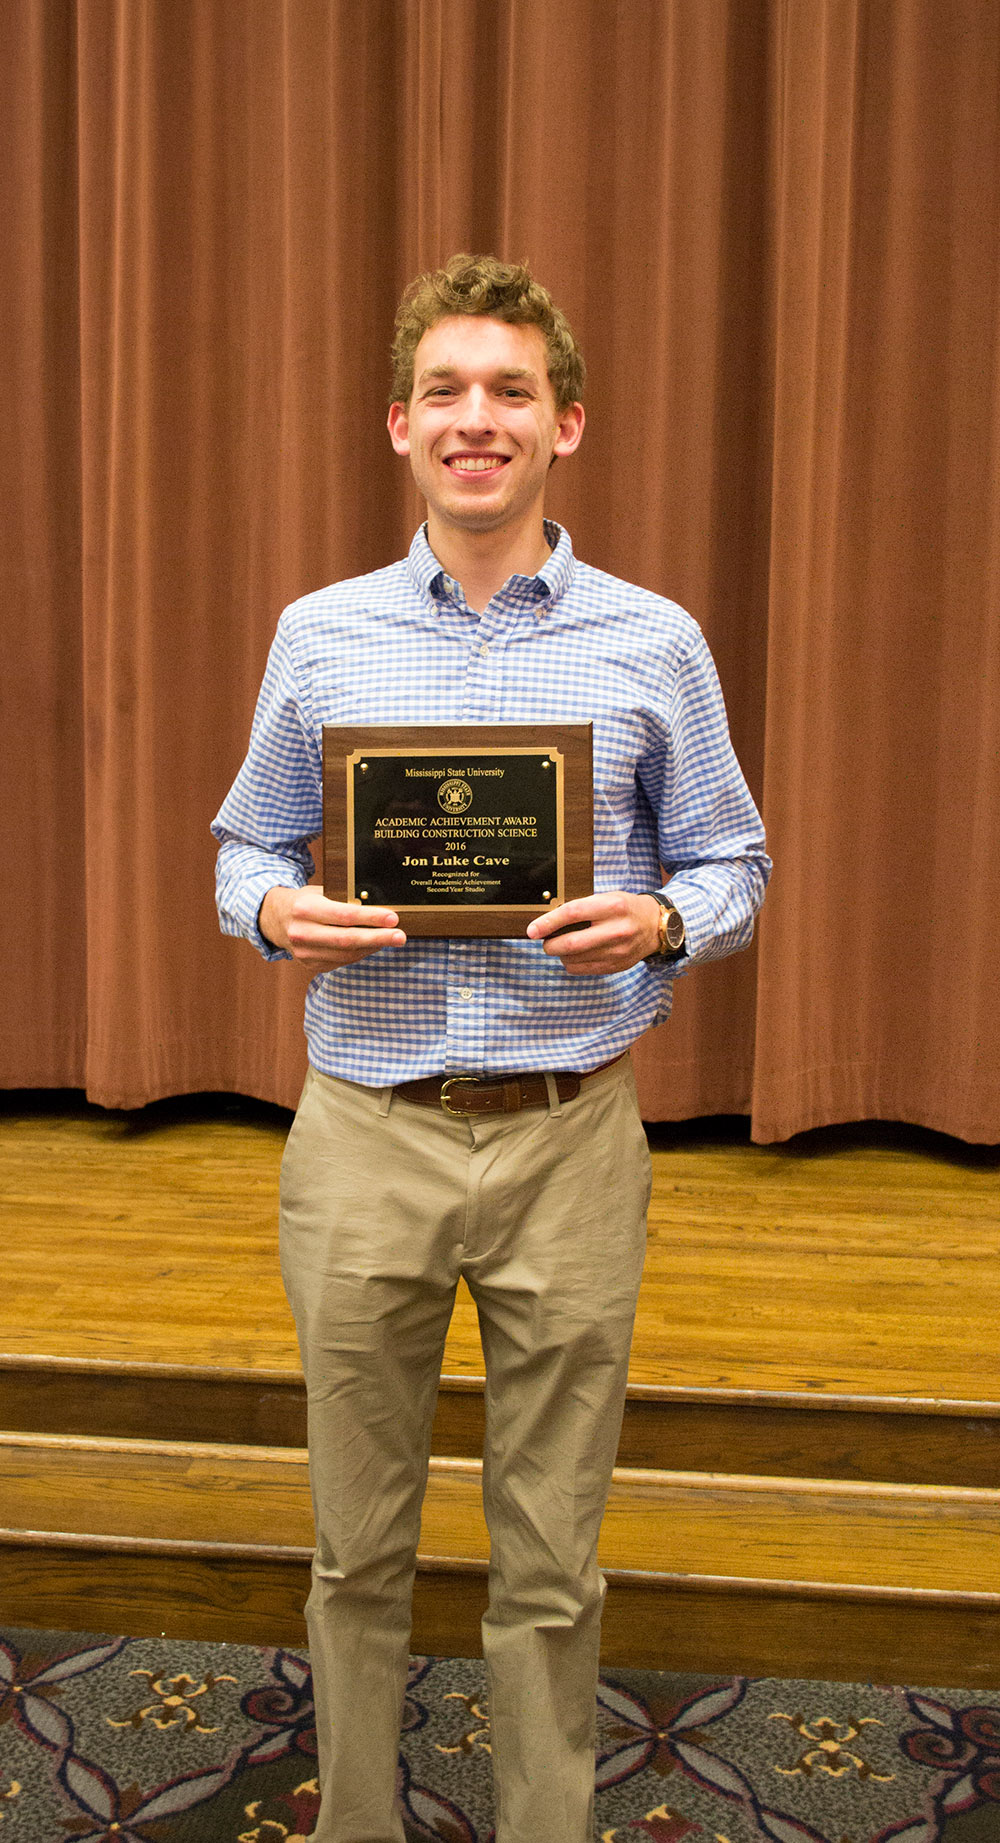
point(274, 807)
point(710, 836)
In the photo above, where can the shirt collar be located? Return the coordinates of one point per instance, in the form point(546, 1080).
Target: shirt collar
point(551, 582)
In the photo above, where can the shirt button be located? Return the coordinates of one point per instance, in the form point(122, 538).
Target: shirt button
point(465, 991)
point(484, 649)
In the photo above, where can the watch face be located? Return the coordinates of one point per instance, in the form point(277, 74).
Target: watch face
point(674, 930)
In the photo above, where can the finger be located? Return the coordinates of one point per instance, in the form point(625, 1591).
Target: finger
point(366, 951)
point(359, 917)
point(567, 915)
point(314, 908)
point(581, 939)
point(584, 912)
point(599, 963)
point(356, 915)
point(335, 946)
point(367, 939)
point(571, 942)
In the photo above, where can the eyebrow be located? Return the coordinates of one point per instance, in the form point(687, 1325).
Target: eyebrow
point(509, 374)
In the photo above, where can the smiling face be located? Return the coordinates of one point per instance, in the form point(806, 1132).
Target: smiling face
point(481, 427)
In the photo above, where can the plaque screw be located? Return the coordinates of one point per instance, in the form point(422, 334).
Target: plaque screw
point(546, 764)
point(364, 767)
point(546, 895)
point(364, 895)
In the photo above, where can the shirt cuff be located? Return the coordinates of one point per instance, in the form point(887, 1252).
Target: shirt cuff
point(698, 916)
point(251, 896)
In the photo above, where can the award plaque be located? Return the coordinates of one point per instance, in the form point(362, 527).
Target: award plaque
point(468, 829)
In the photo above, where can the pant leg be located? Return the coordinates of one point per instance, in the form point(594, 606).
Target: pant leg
point(371, 1211)
point(554, 1265)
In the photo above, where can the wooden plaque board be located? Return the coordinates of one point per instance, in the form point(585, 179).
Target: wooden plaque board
point(462, 829)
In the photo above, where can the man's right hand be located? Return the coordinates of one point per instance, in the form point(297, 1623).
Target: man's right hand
point(321, 933)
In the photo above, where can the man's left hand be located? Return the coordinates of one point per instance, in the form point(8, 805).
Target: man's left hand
point(620, 930)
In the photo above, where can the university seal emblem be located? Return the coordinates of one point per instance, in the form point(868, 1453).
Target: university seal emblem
point(454, 795)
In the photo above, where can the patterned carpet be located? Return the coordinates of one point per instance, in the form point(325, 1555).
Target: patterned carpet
point(134, 1741)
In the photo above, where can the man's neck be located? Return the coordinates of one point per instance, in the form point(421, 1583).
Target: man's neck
point(482, 561)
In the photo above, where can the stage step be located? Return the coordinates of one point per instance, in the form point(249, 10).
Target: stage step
point(749, 1574)
point(778, 1433)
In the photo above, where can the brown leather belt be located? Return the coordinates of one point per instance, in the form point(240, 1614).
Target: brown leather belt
point(465, 1094)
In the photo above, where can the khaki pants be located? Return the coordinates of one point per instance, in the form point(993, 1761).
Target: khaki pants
point(384, 1205)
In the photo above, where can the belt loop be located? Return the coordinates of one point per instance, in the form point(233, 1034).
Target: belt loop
point(555, 1105)
point(384, 1102)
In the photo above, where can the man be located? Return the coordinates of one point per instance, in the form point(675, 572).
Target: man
point(533, 1180)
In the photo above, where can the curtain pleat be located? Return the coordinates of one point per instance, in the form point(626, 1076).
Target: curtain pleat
point(882, 727)
point(775, 228)
point(43, 1020)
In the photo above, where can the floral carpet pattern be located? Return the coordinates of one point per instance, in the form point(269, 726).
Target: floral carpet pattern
point(118, 1740)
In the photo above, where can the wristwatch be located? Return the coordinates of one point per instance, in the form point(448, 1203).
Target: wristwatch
point(672, 937)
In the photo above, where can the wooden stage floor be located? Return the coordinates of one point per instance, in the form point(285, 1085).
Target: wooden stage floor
point(856, 1261)
point(808, 1477)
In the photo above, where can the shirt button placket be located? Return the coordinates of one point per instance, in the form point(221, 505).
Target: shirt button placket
point(483, 683)
point(467, 959)
point(466, 1024)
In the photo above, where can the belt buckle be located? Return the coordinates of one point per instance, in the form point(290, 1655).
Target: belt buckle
point(457, 1113)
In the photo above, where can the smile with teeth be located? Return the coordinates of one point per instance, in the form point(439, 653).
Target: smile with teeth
point(476, 463)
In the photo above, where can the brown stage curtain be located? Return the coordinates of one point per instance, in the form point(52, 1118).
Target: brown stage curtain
point(775, 226)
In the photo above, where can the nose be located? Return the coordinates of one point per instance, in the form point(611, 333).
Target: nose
point(477, 416)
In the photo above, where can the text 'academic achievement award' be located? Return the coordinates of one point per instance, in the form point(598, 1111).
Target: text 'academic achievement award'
point(470, 829)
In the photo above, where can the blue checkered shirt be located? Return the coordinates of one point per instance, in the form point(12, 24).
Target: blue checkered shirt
point(569, 645)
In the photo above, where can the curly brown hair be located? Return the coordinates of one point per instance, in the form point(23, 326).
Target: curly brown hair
point(498, 291)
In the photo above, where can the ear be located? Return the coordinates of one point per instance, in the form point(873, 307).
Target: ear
point(569, 430)
point(399, 428)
